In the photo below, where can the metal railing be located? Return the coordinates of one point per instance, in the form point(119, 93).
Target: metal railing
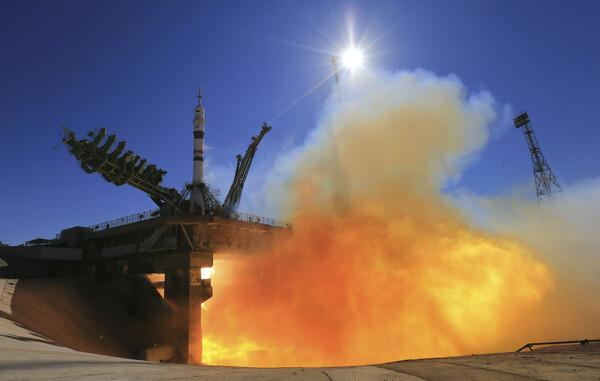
point(143, 216)
point(263, 220)
point(37, 242)
point(154, 213)
point(582, 342)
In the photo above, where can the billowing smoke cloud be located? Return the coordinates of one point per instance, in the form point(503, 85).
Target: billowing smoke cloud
point(383, 265)
point(565, 232)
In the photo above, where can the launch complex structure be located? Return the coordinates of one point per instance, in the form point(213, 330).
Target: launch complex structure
point(178, 239)
point(181, 237)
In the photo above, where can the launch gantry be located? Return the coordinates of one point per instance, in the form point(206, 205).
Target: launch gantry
point(126, 168)
point(232, 201)
point(120, 169)
point(180, 239)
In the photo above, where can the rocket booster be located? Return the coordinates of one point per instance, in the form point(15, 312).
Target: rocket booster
point(196, 199)
point(198, 177)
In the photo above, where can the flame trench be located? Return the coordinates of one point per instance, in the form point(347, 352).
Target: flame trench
point(381, 266)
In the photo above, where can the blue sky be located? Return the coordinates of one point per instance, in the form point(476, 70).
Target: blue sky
point(134, 67)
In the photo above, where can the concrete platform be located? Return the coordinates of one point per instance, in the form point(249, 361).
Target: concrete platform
point(25, 355)
point(100, 336)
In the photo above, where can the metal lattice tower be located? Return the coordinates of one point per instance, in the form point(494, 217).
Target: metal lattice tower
point(546, 184)
point(120, 168)
point(232, 201)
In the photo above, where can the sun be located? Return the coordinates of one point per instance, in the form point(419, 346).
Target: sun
point(352, 58)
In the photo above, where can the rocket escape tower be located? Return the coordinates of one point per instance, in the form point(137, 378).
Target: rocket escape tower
point(546, 184)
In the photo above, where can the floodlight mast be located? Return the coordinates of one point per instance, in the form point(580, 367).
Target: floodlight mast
point(546, 184)
point(334, 61)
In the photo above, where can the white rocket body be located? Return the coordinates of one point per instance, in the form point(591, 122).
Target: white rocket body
point(198, 178)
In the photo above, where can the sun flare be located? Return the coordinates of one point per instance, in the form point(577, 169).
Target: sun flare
point(352, 58)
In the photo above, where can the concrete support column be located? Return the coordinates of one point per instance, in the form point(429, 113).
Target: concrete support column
point(187, 290)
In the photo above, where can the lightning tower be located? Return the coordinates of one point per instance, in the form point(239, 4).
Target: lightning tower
point(546, 184)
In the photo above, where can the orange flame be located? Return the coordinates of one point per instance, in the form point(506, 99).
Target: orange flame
point(364, 291)
point(381, 266)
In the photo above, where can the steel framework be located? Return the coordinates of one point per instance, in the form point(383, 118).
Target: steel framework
point(232, 201)
point(120, 169)
point(124, 168)
point(546, 184)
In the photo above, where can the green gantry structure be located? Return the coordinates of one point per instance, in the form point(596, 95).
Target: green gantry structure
point(120, 168)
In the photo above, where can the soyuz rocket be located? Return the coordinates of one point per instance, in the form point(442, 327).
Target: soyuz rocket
point(198, 177)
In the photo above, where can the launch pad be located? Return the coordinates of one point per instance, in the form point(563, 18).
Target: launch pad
point(179, 240)
point(181, 247)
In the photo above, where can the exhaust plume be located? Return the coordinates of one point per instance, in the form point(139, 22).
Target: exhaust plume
point(382, 264)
